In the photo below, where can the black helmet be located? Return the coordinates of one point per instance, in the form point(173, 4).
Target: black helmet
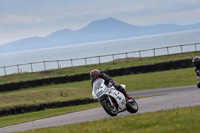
point(94, 74)
point(196, 61)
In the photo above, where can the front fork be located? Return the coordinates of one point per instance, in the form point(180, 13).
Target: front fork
point(109, 100)
point(111, 103)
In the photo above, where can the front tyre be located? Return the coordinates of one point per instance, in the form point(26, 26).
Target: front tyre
point(111, 110)
point(132, 106)
point(198, 85)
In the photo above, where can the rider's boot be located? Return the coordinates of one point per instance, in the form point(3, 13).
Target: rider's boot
point(122, 90)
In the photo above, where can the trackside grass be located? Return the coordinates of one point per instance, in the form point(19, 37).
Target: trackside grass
point(69, 91)
point(122, 63)
point(180, 120)
point(21, 118)
point(80, 90)
point(172, 78)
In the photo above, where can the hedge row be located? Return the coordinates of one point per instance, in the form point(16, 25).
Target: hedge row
point(41, 82)
point(85, 76)
point(151, 68)
point(33, 108)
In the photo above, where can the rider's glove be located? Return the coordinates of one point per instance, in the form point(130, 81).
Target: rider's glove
point(110, 84)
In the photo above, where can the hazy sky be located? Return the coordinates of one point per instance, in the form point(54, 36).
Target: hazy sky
point(27, 18)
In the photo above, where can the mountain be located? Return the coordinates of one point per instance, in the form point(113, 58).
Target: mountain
point(101, 30)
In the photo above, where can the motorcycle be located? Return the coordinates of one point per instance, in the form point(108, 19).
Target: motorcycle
point(113, 101)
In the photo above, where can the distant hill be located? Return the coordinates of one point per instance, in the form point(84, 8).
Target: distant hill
point(101, 30)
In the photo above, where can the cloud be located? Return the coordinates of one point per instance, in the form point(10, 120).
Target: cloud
point(22, 20)
point(181, 18)
point(22, 17)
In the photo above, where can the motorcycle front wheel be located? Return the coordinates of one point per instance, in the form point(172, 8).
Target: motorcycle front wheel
point(111, 110)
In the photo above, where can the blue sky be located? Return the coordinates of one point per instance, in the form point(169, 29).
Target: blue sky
point(27, 18)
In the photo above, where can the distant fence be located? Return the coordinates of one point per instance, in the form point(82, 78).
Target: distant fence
point(171, 65)
point(57, 64)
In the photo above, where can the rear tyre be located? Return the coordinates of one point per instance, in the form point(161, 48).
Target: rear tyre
point(111, 110)
point(132, 106)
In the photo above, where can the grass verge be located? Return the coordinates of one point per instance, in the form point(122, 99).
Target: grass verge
point(69, 91)
point(181, 120)
point(21, 118)
point(16, 119)
point(63, 92)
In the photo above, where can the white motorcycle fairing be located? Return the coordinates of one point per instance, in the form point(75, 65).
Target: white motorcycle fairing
point(100, 90)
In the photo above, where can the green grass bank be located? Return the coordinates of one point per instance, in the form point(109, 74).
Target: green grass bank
point(181, 120)
point(81, 90)
point(69, 91)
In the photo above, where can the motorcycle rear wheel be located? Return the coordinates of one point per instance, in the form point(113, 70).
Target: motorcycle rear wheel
point(111, 110)
point(132, 107)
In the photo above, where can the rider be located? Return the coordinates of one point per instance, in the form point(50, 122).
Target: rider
point(95, 74)
point(196, 63)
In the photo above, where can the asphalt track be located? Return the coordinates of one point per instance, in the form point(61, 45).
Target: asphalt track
point(174, 98)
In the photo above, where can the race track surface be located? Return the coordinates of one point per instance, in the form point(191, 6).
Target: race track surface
point(175, 97)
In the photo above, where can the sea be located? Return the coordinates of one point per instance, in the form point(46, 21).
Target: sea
point(60, 57)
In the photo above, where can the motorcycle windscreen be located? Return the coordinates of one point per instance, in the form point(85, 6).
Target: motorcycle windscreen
point(97, 84)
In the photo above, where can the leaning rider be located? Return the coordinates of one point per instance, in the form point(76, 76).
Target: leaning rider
point(196, 63)
point(95, 74)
